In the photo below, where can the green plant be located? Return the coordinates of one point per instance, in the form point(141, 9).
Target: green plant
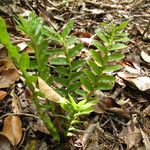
point(68, 68)
point(75, 110)
point(104, 60)
point(32, 27)
point(22, 61)
point(77, 78)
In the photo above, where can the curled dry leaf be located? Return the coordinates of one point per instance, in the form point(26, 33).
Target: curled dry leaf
point(49, 92)
point(12, 129)
point(8, 73)
point(2, 94)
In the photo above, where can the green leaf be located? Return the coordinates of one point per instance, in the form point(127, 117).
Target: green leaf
point(81, 103)
point(104, 86)
point(100, 47)
point(24, 61)
point(123, 39)
point(5, 40)
point(76, 64)
point(67, 106)
point(81, 92)
point(102, 36)
point(74, 86)
point(97, 57)
point(33, 64)
point(31, 79)
point(51, 33)
point(88, 85)
point(75, 76)
point(118, 46)
point(122, 26)
point(13, 52)
point(71, 40)
point(94, 67)
point(121, 34)
point(62, 70)
point(59, 61)
point(75, 122)
point(73, 103)
point(111, 68)
point(55, 51)
point(91, 76)
point(87, 105)
point(85, 112)
point(115, 56)
point(4, 36)
point(22, 25)
point(75, 50)
point(51, 30)
point(67, 29)
point(106, 79)
point(61, 81)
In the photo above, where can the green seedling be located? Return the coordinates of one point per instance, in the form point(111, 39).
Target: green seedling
point(103, 61)
point(76, 77)
point(68, 68)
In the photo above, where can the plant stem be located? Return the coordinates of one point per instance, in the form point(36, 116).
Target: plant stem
point(46, 120)
point(72, 117)
point(68, 59)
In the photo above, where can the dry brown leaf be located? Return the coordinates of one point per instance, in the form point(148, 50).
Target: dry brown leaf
point(49, 92)
point(142, 83)
point(131, 137)
point(145, 56)
point(12, 129)
point(145, 139)
point(2, 94)
point(146, 111)
point(8, 73)
point(120, 112)
point(39, 126)
point(15, 105)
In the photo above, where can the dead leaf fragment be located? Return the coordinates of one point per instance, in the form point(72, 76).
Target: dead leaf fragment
point(49, 92)
point(145, 139)
point(5, 143)
point(12, 129)
point(145, 56)
point(131, 137)
point(2, 94)
point(142, 83)
point(146, 111)
point(8, 73)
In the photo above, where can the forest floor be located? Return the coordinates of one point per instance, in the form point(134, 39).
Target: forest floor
point(121, 120)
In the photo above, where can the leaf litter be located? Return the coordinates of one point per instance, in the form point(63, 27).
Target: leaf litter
point(115, 126)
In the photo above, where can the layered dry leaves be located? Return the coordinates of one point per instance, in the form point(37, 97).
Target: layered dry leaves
point(12, 129)
point(49, 92)
point(134, 75)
